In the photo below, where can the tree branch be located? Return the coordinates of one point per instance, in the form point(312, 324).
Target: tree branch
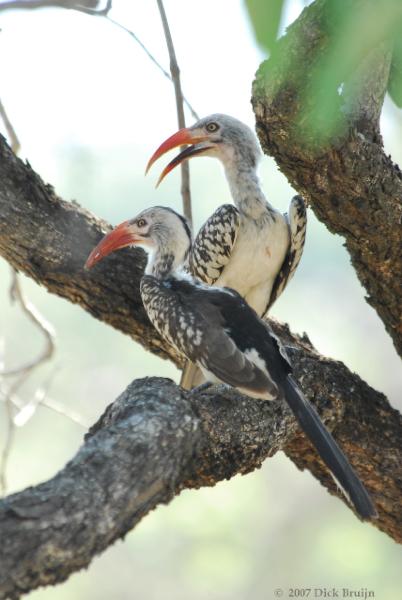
point(353, 187)
point(123, 471)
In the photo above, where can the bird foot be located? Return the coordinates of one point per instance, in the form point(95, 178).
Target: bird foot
point(202, 387)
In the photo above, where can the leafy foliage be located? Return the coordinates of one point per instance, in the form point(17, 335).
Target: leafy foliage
point(350, 35)
point(265, 17)
point(395, 76)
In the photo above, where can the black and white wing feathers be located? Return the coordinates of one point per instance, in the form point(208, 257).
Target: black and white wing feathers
point(297, 220)
point(202, 324)
point(213, 245)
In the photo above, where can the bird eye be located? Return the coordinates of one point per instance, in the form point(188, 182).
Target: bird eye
point(141, 223)
point(211, 127)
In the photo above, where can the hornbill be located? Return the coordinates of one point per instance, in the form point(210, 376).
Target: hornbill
point(250, 247)
point(219, 332)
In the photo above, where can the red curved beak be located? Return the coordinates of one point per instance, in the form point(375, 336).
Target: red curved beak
point(120, 237)
point(182, 138)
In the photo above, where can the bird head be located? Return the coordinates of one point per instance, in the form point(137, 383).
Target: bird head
point(160, 231)
point(221, 136)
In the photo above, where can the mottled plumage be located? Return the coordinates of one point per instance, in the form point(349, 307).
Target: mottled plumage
point(297, 220)
point(210, 326)
point(213, 245)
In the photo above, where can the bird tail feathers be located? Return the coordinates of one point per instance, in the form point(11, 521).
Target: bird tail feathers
point(328, 450)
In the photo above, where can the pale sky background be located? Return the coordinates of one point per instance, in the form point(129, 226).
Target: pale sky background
point(90, 108)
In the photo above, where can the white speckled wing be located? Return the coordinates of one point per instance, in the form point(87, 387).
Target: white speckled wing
point(213, 245)
point(297, 219)
point(189, 316)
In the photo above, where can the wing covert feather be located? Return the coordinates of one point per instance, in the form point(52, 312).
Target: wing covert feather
point(195, 326)
point(213, 244)
point(297, 220)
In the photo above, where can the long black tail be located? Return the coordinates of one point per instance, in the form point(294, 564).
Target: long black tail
point(328, 449)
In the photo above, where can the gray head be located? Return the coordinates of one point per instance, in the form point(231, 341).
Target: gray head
point(228, 139)
point(160, 231)
point(221, 136)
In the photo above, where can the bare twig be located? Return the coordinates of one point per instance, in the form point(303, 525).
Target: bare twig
point(9, 428)
point(46, 402)
point(104, 12)
point(15, 143)
point(153, 59)
point(67, 4)
point(5, 453)
point(175, 71)
point(22, 373)
point(59, 408)
point(37, 319)
point(8, 394)
point(28, 409)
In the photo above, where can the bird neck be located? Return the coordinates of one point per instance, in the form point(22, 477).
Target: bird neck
point(246, 190)
point(165, 261)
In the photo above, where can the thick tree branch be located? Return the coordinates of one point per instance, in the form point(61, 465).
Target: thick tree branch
point(49, 240)
point(123, 470)
point(353, 187)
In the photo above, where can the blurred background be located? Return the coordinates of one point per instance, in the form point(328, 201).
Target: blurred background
point(89, 108)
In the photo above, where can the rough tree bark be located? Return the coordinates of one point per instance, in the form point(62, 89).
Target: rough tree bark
point(123, 470)
point(351, 184)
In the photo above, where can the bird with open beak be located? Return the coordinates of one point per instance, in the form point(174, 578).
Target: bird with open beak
point(217, 330)
point(250, 247)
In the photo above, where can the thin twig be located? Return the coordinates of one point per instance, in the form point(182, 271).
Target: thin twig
point(48, 403)
point(153, 59)
point(22, 373)
point(9, 428)
point(15, 143)
point(57, 407)
point(104, 12)
point(67, 4)
point(175, 71)
point(7, 397)
point(29, 309)
point(28, 409)
point(5, 453)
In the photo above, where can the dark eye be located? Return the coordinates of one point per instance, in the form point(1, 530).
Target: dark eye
point(211, 127)
point(141, 223)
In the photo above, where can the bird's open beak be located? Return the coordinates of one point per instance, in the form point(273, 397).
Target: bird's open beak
point(120, 237)
point(181, 138)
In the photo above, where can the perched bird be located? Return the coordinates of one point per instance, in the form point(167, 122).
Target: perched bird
point(250, 247)
point(218, 331)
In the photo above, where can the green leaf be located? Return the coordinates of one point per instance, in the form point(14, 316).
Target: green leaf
point(395, 75)
point(265, 17)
